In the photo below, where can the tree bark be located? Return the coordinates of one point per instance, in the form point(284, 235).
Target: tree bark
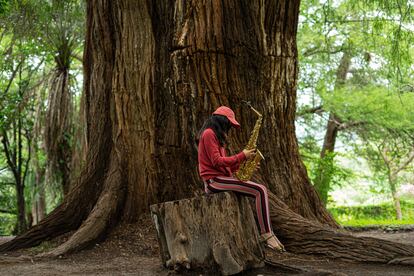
point(14, 158)
point(392, 179)
point(21, 209)
point(39, 197)
point(208, 57)
point(195, 233)
point(303, 236)
point(152, 76)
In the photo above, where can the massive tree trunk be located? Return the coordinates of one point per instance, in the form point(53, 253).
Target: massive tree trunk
point(153, 74)
point(212, 53)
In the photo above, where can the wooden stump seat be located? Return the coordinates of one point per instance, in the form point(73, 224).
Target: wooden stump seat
point(211, 232)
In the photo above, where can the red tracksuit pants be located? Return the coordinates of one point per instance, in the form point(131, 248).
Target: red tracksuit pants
point(248, 188)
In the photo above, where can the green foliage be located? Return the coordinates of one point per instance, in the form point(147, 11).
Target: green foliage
point(328, 167)
point(346, 221)
point(325, 173)
point(33, 33)
point(4, 6)
point(373, 214)
point(7, 224)
point(7, 203)
point(377, 108)
point(369, 30)
point(374, 103)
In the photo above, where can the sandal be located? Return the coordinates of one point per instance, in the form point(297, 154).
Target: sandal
point(280, 248)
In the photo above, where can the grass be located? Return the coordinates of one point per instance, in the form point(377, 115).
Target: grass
point(376, 222)
point(369, 215)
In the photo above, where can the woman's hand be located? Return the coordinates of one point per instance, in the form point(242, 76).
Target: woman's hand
point(249, 153)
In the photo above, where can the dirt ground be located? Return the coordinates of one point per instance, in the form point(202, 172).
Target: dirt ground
point(133, 250)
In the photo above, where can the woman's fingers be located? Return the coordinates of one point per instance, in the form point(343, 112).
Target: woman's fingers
point(249, 153)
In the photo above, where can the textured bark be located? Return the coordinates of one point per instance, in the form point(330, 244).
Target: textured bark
point(39, 197)
point(152, 76)
point(300, 235)
point(149, 88)
point(101, 217)
point(207, 56)
point(196, 233)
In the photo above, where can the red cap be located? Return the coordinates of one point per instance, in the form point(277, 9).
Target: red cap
point(225, 111)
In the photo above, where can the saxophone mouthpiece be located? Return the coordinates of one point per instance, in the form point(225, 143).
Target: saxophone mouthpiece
point(247, 103)
point(251, 107)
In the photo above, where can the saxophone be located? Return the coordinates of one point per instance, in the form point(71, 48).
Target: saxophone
point(248, 167)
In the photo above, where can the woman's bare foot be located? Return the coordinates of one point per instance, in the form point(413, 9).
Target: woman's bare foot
point(273, 242)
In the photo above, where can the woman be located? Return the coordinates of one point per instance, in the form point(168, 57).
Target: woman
point(216, 169)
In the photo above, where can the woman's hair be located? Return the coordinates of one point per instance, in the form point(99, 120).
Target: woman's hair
point(219, 124)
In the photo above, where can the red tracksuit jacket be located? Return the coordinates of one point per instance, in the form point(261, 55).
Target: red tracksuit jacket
point(212, 159)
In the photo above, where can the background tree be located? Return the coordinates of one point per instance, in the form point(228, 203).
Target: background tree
point(18, 80)
point(346, 43)
point(62, 35)
point(146, 98)
point(395, 162)
point(387, 131)
point(31, 47)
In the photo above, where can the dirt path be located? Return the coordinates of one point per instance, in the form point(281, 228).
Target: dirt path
point(134, 251)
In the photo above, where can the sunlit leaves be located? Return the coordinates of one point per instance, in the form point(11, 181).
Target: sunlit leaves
point(375, 107)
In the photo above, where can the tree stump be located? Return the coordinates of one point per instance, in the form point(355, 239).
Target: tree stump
point(212, 232)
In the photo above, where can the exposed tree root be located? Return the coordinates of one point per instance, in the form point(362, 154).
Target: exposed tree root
point(300, 235)
point(62, 220)
point(405, 261)
point(66, 217)
point(98, 221)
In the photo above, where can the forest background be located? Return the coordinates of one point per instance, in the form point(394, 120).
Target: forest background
point(353, 121)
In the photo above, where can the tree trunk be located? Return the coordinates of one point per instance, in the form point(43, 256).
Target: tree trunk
point(397, 207)
point(21, 208)
point(324, 171)
point(323, 178)
point(153, 73)
point(39, 198)
point(195, 233)
point(14, 157)
point(207, 56)
point(395, 198)
point(39, 206)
